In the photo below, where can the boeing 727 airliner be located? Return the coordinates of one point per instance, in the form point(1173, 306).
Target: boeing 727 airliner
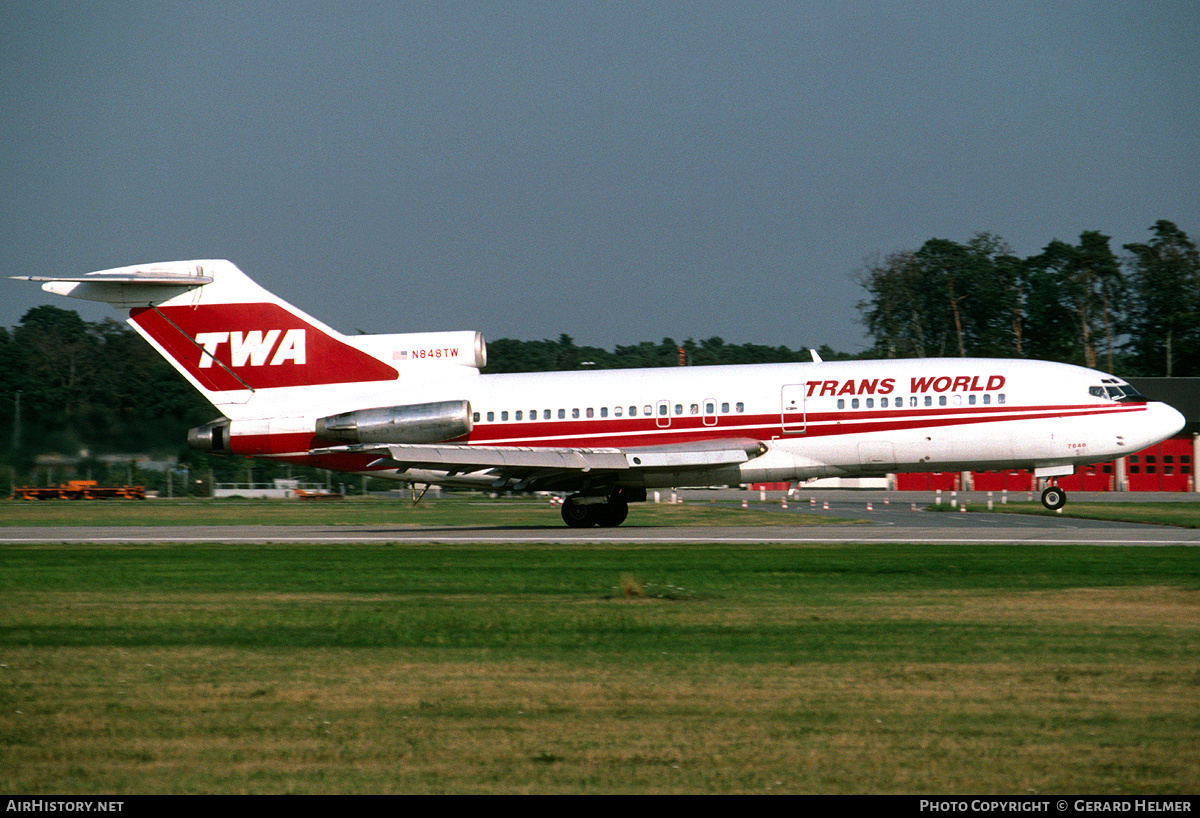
point(415, 407)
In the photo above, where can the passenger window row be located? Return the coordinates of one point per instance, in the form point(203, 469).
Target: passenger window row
point(648, 410)
point(914, 401)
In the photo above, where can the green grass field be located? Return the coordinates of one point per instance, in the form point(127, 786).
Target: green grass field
point(588, 668)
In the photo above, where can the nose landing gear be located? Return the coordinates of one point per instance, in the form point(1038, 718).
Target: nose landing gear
point(1054, 498)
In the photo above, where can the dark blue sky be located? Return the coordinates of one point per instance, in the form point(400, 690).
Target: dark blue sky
point(615, 171)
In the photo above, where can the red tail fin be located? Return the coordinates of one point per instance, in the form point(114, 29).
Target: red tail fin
point(230, 347)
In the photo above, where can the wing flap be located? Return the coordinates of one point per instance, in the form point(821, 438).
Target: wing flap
point(704, 454)
point(508, 459)
point(521, 461)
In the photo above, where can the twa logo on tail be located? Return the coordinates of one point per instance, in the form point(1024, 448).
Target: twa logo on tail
point(254, 347)
point(292, 352)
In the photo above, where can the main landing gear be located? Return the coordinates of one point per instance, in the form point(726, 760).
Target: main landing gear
point(1054, 498)
point(585, 511)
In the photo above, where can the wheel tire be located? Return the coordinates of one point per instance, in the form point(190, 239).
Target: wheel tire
point(612, 513)
point(1054, 498)
point(577, 515)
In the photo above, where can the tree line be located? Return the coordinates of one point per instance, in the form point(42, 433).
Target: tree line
point(81, 388)
point(1072, 302)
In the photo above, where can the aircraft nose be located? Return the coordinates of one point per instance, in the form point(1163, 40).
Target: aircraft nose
point(1166, 420)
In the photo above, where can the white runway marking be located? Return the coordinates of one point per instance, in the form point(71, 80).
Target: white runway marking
point(1050, 533)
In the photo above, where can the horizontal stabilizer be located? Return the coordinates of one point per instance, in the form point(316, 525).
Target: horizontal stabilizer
point(151, 277)
point(133, 286)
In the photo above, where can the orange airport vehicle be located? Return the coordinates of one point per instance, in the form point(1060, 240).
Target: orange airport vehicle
point(79, 490)
point(311, 494)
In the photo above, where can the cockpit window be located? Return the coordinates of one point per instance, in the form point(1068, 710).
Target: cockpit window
point(1129, 394)
point(1120, 392)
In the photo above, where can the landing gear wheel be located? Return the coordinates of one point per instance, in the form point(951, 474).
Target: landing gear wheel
point(578, 515)
point(1054, 498)
point(612, 513)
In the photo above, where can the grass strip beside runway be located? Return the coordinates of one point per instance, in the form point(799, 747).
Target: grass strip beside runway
point(656, 668)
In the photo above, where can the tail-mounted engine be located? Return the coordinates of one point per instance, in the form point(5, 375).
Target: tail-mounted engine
point(415, 423)
point(211, 437)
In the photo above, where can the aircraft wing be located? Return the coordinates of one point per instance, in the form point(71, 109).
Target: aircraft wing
point(529, 465)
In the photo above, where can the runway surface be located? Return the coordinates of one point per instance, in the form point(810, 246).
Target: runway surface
point(891, 518)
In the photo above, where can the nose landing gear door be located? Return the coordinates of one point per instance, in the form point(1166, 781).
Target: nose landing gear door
point(794, 421)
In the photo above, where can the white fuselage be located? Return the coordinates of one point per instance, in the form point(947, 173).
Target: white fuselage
point(283, 379)
point(816, 419)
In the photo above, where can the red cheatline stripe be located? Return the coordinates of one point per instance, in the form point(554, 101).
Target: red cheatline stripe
point(642, 431)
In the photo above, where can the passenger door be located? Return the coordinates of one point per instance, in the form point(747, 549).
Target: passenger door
point(794, 420)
